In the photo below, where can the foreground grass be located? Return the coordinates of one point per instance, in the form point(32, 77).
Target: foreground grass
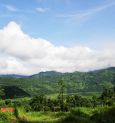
point(7, 117)
point(76, 115)
point(41, 117)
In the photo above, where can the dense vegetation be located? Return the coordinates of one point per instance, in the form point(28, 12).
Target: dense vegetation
point(74, 109)
point(67, 106)
point(84, 83)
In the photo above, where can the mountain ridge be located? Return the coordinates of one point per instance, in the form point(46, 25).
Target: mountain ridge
point(46, 73)
point(77, 82)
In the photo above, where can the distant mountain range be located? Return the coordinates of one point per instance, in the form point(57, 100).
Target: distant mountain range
point(51, 73)
point(13, 76)
point(47, 73)
point(47, 82)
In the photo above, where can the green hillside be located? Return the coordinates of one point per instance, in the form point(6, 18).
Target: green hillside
point(47, 82)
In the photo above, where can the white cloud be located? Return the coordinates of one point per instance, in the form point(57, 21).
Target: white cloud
point(41, 10)
point(22, 54)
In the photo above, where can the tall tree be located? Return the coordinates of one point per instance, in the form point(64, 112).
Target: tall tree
point(61, 93)
point(1, 92)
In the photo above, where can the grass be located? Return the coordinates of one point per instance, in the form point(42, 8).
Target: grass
point(7, 117)
point(39, 117)
point(46, 117)
point(89, 94)
point(84, 94)
point(53, 96)
point(76, 115)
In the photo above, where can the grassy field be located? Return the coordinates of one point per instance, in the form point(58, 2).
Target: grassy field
point(84, 94)
point(77, 115)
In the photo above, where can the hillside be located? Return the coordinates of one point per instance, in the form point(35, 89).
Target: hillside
point(47, 82)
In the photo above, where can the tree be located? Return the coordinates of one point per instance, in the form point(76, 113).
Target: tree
point(1, 92)
point(61, 93)
point(36, 103)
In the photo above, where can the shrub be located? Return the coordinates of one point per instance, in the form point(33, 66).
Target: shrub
point(104, 116)
point(5, 117)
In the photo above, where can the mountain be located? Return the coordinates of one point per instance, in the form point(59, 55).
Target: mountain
point(13, 76)
point(76, 82)
point(14, 92)
point(47, 74)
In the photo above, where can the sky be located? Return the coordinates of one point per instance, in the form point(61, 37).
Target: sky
point(60, 35)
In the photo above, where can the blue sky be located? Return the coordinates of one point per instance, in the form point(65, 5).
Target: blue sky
point(62, 22)
point(60, 35)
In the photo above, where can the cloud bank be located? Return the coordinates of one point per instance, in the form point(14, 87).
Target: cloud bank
point(22, 54)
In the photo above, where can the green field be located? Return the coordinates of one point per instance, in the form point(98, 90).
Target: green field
point(76, 115)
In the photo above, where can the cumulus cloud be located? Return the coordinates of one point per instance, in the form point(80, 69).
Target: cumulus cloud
point(22, 54)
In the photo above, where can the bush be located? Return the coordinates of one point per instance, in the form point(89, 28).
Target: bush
point(5, 117)
point(2, 104)
point(80, 113)
point(104, 116)
point(76, 119)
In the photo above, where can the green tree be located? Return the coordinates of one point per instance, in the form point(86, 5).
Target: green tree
point(61, 93)
point(1, 92)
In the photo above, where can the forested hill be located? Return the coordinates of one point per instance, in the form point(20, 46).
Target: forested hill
point(47, 82)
